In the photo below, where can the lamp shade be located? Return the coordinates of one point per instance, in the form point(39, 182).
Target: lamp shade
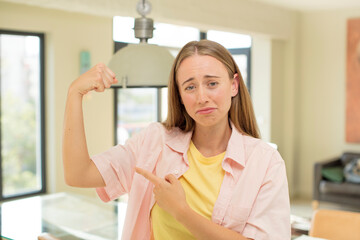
point(141, 64)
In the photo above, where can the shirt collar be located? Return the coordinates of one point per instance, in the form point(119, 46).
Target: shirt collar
point(179, 141)
point(235, 148)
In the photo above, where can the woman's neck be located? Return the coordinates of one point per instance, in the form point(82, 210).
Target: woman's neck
point(211, 141)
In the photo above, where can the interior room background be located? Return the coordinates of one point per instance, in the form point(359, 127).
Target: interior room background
point(298, 72)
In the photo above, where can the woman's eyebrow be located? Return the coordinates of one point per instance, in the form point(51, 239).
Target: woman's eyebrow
point(211, 76)
point(206, 76)
point(189, 80)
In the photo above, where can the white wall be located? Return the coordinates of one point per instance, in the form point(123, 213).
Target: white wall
point(284, 79)
point(261, 84)
point(321, 91)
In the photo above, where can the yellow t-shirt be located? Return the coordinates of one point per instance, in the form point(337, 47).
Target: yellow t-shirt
point(201, 182)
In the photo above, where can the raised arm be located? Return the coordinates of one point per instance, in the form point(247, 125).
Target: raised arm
point(79, 169)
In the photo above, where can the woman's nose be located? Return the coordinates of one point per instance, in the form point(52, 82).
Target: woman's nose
point(202, 95)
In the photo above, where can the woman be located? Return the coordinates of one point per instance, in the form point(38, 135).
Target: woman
point(203, 173)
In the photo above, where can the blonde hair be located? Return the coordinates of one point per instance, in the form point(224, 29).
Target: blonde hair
point(241, 112)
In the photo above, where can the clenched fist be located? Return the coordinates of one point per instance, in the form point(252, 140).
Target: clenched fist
point(98, 78)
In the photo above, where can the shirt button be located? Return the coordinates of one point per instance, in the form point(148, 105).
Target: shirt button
point(176, 172)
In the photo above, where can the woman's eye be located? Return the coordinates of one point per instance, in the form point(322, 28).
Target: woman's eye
point(189, 88)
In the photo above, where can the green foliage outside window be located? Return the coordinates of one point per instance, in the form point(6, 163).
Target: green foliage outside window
point(18, 151)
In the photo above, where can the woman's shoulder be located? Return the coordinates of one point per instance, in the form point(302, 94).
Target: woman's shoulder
point(153, 130)
point(156, 129)
point(160, 128)
point(250, 141)
point(156, 126)
point(261, 148)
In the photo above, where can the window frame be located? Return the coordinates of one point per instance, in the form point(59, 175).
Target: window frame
point(43, 188)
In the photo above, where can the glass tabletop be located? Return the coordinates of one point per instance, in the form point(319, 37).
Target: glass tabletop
point(62, 215)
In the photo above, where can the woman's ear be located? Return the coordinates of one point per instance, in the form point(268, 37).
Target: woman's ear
point(235, 85)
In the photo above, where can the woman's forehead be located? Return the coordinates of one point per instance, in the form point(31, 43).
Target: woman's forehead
point(200, 64)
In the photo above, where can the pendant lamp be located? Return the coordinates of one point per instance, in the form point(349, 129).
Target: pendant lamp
point(143, 64)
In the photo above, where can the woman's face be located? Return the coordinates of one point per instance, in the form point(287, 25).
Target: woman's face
point(206, 89)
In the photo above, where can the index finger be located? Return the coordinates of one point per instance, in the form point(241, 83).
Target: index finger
point(148, 175)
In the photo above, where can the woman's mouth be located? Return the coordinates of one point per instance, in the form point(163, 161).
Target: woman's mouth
point(205, 110)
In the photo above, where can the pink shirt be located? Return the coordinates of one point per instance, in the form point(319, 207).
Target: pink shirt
point(253, 198)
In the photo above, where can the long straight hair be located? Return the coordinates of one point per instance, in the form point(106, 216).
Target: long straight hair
point(241, 112)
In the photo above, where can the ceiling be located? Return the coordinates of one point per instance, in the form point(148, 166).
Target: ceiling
point(308, 5)
point(111, 7)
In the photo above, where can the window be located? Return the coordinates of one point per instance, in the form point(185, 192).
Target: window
point(135, 109)
point(22, 168)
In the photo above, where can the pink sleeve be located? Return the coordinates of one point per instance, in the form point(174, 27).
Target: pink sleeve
point(117, 166)
point(270, 216)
